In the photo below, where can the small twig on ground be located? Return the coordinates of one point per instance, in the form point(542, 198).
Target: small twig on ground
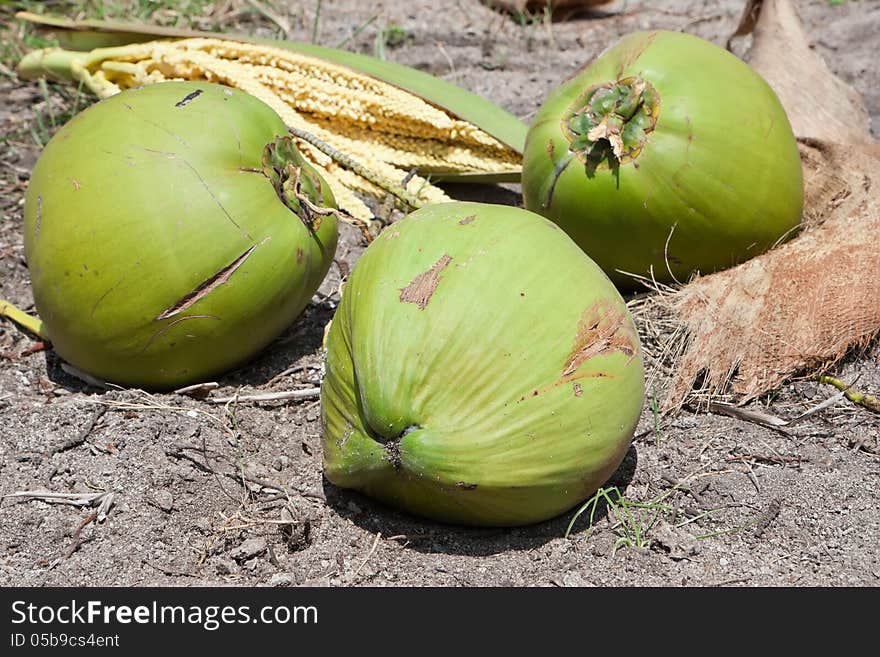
point(679, 485)
point(760, 523)
point(446, 56)
point(33, 349)
point(369, 554)
point(772, 459)
point(868, 401)
point(750, 473)
point(77, 535)
point(178, 451)
point(748, 415)
point(198, 390)
point(292, 370)
point(305, 393)
point(768, 420)
point(267, 485)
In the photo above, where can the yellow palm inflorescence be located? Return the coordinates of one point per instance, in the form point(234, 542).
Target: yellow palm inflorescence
point(386, 130)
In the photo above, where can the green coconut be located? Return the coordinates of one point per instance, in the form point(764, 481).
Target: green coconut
point(666, 156)
point(173, 231)
point(480, 369)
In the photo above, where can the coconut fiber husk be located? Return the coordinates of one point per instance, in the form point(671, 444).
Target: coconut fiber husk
point(801, 307)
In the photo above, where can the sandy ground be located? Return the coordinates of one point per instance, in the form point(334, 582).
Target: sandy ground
point(204, 497)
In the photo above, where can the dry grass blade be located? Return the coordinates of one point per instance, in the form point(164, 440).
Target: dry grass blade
point(102, 499)
point(369, 554)
point(198, 390)
point(748, 415)
point(769, 420)
point(305, 393)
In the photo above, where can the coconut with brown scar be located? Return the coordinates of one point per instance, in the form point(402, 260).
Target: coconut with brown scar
point(480, 369)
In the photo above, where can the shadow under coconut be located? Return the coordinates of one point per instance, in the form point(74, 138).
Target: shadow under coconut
point(56, 374)
point(301, 339)
point(304, 337)
point(484, 193)
point(433, 537)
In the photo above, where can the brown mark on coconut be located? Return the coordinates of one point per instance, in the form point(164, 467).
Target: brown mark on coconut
point(602, 330)
point(422, 287)
point(300, 255)
point(461, 485)
point(75, 183)
point(467, 220)
point(578, 391)
point(188, 98)
point(534, 393)
point(207, 286)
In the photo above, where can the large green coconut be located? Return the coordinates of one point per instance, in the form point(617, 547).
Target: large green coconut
point(173, 231)
point(480, 369)
point(666, 156)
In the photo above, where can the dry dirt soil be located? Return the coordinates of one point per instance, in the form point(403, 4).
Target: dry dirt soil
point(210, 496)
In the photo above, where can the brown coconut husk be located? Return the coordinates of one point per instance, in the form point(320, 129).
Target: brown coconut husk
point(804, 305)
